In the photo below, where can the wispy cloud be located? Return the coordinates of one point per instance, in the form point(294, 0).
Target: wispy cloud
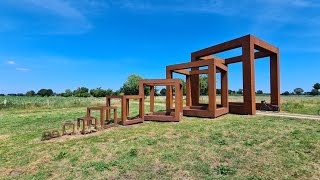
point(52, 16)
point(23, 69)
point(11, 62)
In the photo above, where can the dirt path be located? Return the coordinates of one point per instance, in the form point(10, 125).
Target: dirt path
point(289, 115)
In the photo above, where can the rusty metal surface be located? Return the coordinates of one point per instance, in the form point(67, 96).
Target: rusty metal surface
point(125, 120)
point(169, 83)
point(249, 44)
point(214, 65)
point(104, 114)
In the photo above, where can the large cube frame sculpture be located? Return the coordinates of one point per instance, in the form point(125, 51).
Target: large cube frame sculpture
point(215, 65)
point(169, 114)
point(252, 48)
point(125, 108)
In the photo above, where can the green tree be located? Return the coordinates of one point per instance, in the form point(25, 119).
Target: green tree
point(203, 81)
point(298, 91)
point(31, 93)
point(316, 86)
point(99, 92)
point(81, 92)
point(67, 93)
point(163, 92)
point(131, 86)
point(314, 92)
point(50, 92)
point(45, 92)
point(116, 93)
point(286, 93)
point(259, 92)
point(240, 91)
point(109, 92)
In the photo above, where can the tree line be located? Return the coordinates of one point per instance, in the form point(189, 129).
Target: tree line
point(131, 87)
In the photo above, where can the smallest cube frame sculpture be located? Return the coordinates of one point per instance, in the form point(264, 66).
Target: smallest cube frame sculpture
point(170, 114)
point(125, 120)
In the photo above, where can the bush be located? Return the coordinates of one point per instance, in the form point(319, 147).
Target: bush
point(45, 92)
point(30, 93)
point(81, 92)
point(286, 93)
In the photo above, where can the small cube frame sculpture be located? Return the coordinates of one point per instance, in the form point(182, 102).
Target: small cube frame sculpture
point(170, 114)
point(86, 121)
point(104, 114)
point(211, 110)
point(68, 124)
point(125, 100)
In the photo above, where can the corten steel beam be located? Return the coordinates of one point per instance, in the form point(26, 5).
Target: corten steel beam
point(224, 89)
point(249, 97)
point(169, 115)
point(257, 55)
point(184, 72)
point(275, 79)
point(233, 44)
point(188, 91)
point(212, 89)
point(169, 99)
point(125, 108)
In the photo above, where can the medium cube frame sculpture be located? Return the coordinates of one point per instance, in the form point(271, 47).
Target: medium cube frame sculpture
point(252, 48)
point(170, 114)
point(215, 65)
point(125, 108)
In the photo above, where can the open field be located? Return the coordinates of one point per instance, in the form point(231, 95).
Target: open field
point(292, 104)
point(229, 147)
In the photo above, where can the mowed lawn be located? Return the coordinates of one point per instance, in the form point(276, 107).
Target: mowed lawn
point(229, 147)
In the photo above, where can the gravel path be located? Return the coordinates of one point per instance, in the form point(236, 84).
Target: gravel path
point(290, 115)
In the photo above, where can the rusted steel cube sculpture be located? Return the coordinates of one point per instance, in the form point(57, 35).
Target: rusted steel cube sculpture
point(252, 48)
point(214, 65)
point(125, 120)
point(86, 121)
point(104, 115)
point(170, 114)
point(68, 124)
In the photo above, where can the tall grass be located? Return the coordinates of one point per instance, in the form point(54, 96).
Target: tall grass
point(7, 103)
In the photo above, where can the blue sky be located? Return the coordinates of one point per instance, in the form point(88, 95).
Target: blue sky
point(61, 44)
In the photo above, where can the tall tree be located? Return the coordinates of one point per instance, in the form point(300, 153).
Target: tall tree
point(298, 91)
point(31, 93)
point(67, 93)
point(131, 86)
point(259, 92)
point(163, 92)
point(81, 92)
point(203, 80)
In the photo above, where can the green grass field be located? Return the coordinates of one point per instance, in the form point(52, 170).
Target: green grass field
point(229, 147)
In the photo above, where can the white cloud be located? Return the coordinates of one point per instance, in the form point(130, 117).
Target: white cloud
point(23, 69)
point(11, 62)
point(52, 16)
